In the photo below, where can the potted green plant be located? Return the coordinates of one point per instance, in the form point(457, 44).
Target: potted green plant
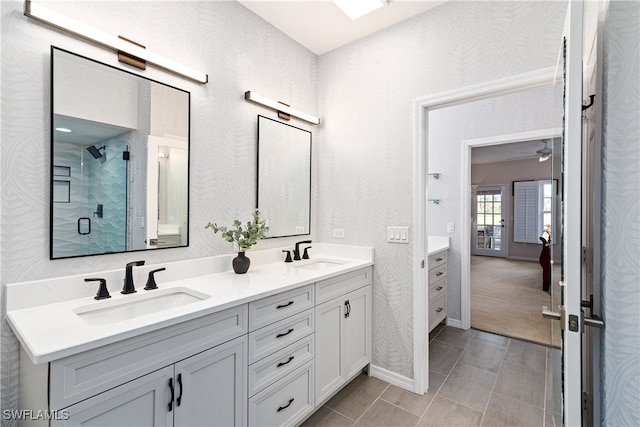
point(243, 237)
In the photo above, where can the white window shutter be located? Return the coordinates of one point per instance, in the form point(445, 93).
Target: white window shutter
point(526, 212)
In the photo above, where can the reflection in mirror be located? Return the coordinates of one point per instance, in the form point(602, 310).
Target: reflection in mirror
point(120, 160)
point(284, 177)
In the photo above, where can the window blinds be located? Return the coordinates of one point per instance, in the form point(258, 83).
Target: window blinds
point(526, 212)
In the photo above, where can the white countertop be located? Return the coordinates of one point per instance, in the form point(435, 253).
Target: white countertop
point(437, 244)
point(52, 331)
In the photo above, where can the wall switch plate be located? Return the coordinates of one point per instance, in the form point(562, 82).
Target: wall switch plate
point(451, 227)
point(299, 229)
point(338, 233)
point(398, 234)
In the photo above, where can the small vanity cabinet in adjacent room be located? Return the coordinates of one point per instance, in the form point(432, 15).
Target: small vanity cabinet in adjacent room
point(437, 288)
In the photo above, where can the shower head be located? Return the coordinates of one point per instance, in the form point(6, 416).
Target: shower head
point(95, 152)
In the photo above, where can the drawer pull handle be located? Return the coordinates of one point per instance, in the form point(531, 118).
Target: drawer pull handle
point(439, 288)
point(284, 305)
point(285, 406)
point(285, 363)
point(172, 394)
point(439, 273)
point(439, 259)
point(439, 310)
point(284, 334)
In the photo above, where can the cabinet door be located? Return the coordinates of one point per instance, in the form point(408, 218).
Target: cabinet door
point(330, 371)
point(211, 387)
point(357, 330)
point(141, 402)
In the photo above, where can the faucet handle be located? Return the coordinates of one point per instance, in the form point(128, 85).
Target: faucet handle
point(151, 280)
point(306, 254)
point(103, 292)
point(288, 258)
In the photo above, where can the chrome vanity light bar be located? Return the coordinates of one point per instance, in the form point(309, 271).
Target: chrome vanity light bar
point(259, 99)
point(62, 22)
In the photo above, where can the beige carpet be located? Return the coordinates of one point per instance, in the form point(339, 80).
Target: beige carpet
point(507, 299)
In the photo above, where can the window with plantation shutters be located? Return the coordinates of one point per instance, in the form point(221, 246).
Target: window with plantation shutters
point(532, 209)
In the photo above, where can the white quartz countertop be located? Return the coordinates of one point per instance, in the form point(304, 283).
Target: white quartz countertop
point(52, 331)
point(437, 244)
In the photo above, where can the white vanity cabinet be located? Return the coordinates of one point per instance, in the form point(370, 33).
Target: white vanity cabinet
point(187, 374)
point(437, 288)
point(343, 331)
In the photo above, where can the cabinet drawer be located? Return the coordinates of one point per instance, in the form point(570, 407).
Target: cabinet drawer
point(83, 375)
point(278, 335)
point(277, 307)
point(270, 369)
point(438, 273)
point(332, 288)
point(437, 259)
point(286, 402)
point(437, 289)
point(437, 311)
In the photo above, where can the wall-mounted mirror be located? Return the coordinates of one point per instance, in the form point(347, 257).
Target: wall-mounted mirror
point(119, 160)
point(284, 177)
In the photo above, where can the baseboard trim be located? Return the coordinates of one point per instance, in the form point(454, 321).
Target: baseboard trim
point(523, 258)
point(455, 323)
point(391, 377)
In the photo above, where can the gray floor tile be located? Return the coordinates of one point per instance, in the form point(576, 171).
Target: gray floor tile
point(491, 338)
point(353, 400)
point(469, 386)
point(411, 402)
point(383, 413)
point(456, 337)
point(552, 420)
point(522, 383)
point(327, 417)
point(445, 412)
point(442, 356)
point(527, 354)
point(554, 381)
point(483, 354)
point(505, 411)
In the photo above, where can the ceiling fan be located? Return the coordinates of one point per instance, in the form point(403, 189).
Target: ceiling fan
point(545, 152)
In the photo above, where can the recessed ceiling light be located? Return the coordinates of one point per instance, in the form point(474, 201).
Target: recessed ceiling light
point(355, 9)
point(63, 130)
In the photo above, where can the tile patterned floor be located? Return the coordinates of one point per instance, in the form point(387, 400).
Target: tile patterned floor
point(476, 379)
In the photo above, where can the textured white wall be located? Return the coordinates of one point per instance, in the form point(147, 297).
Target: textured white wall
point(236, 48)
point(366, 93)
point(620, 276)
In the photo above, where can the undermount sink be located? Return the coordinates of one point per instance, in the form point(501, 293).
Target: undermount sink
point(107, 312)
point(319, 265)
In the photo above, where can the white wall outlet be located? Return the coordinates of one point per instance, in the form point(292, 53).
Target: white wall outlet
point(451, 227)
point(338, 233)
point(398, 234)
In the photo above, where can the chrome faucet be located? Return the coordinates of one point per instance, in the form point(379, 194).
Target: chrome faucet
point(128, 287)
point(296, 251)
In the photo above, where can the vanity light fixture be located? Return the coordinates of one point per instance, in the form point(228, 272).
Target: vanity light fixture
point(62, 22)
point(355, 9)
point(259, 99)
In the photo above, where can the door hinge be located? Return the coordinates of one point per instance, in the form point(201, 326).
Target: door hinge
point(422, 264)
point(587, 409)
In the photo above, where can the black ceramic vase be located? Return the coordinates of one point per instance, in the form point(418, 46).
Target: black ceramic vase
point(241, 263)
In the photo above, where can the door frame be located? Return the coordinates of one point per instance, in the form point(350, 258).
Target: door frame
point(422, 106)
point(503, 252)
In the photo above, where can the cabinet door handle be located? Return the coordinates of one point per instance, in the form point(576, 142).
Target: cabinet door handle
point(439, 309)
point(439, 259)
point(285, 363)
point(179, 399)
point(172, 394)
point(284, 305)
point(439, 288)
point(347, 309)
point(284, 334)
point(285, 406)
point(439, 273)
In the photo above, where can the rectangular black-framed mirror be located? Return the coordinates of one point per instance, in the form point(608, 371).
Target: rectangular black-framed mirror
point(119, 160)
point(284, 177)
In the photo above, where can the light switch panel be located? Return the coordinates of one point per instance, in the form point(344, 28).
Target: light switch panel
point(398, 234)
point(451, 227)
